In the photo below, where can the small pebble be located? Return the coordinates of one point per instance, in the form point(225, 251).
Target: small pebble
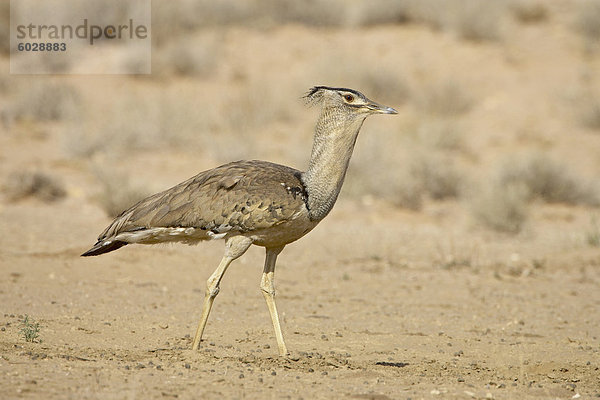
point(187, 366)
point(241, 376)
point(273, 373)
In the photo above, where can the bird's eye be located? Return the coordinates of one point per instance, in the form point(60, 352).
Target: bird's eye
point(349, 98)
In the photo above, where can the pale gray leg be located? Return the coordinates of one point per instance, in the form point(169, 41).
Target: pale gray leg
point(235, 247)
point(268, 291)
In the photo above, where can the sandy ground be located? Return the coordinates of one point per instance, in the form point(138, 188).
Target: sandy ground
point(358, 325)
point(378, 302)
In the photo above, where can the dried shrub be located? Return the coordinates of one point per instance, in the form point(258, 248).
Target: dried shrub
point(195, 57)
point(36, 184)
point(476, 20)
point(140, 121)
point(501, 207)
point(587, 22)
point(379, 168)
point(118, 192)
point(404, 178)
point(441, 134)
point(529, 11)
point(46, 102)
point(549, 181)
point(592, 236)
point(446, 99)
point(408, 192)
point(437, 175)
point(589, 109)
point(385, 85)
point(379, 12)
point(5, 27)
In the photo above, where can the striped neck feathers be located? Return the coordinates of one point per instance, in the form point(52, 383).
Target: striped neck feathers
point(335, 136)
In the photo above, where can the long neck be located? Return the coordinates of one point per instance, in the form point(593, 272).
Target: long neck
point(335, 136)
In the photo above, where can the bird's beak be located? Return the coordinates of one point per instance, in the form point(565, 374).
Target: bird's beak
point(380, 109)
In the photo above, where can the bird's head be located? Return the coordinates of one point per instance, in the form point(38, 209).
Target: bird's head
point(349, 101)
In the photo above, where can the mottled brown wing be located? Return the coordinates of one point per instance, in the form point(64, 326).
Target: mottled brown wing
point(240, 196)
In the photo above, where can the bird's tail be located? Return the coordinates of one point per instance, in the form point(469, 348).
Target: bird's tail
point(104, 246)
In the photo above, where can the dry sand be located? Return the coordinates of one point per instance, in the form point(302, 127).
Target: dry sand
point(377, 302)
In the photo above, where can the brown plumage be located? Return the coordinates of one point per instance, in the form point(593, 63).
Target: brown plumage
point(241, 197)
point(251, 202)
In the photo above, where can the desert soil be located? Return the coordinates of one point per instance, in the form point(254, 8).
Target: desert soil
point(360, 322)
point(378, 302)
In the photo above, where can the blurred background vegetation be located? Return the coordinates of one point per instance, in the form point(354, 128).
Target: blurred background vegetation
point(499, 105)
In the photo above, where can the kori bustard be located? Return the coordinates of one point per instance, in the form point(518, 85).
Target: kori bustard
point(252, 202)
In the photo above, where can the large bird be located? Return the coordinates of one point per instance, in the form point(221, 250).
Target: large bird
point(252, 202)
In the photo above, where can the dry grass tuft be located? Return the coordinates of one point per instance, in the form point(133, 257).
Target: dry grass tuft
point(36, 184)
point(405, 174)
point(471, 19)
point(441, 134)
point(591, 116)
point(379, 12)
point(320, 13)
point(5, 27)
point(179, 119)
point(141, 121)
point(408, 192)
point(590, 112)
point(118, 192)
point(258, 105)
point(379, 168)
point(592, 236)
point(445, 99)
point(385, 85)
point(502, 204)
point(46, 102)
point(195, 57)
point(476, 20)
point(549, 181)
point(587, 23)
point(529, 11)
point(501, 207)
point(437, 175)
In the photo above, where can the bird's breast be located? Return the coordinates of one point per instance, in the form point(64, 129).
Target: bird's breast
point(285, 232)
